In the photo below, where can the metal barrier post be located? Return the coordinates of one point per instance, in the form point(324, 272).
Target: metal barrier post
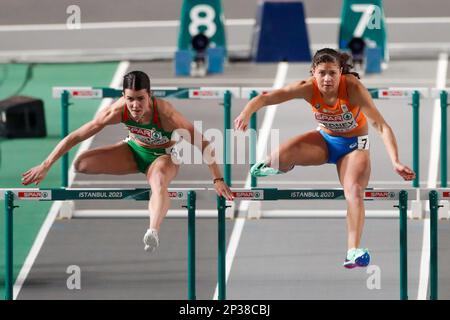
point(191, 205)
point(252, 142)
point(444, 105)
point(403, 206)
point(434, 206)
point(221, 207)
point(64, 132)
point(416, 130)
point(227, 142)
point(9, 208)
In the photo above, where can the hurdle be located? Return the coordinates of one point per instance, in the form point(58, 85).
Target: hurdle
point(266, 194)
point(401, 196)
point(442, 94)
point(226, 94)
point(11, 195)
point(273, 194)
point(415, 94)
point(65, 93)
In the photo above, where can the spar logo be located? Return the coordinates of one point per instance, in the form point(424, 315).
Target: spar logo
point(327, 117)
point(86, 93)
point(175, 195)
point(247, 194)
point(33, 195)
point(380, 194)
point(142, 131)
point(446, 194)
point(393, 93)
point(205, 94)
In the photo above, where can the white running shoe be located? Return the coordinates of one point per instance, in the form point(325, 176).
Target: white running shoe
point(151, 240)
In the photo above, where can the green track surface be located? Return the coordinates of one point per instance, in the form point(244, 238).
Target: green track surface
point(18, 155)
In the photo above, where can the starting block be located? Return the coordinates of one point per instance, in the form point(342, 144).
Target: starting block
point(216, 58)
point(183, 59)
point(186, 64)
point(373, 59)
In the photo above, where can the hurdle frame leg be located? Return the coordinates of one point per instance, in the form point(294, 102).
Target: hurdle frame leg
point(253, 138)
point(191, 205)
point(416, 137)
point(64, 132)
point(227, 140)
point(434, 207)
point(403, 207)
point(221, 261)
point(9, 275)
point(444, 104)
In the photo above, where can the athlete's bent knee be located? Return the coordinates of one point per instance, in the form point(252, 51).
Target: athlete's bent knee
point(158, 181)
point(80, 165)
point(354, 192)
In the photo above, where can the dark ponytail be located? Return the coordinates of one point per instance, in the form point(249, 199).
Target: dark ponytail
point(331, 55)
point(136, 80)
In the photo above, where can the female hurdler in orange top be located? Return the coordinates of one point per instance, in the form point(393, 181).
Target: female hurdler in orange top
point(341, 105)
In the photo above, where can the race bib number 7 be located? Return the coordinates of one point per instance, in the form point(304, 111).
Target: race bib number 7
point(363, 142)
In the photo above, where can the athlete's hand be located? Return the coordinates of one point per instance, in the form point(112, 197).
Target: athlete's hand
point(34, 175)
point(241, 122)
point(404, 171)
point(223, 190)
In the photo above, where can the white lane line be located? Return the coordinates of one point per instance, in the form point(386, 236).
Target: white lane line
point(176, 23)
point(424, 270)
point(34, 251)
point(441, 75)
point(436, 124)
point(136, 213)
point(389, 20)
point(397, 45)
point(115, 83)
point(263, 138)
point(112, 25)
point(212, 213)
point(39, 241)
point(264, 83)
point(327, 214)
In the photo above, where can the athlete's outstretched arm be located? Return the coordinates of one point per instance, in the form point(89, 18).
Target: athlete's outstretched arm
point(176, 121)
point(110, 115)
point(360, 96)
point(297, 90)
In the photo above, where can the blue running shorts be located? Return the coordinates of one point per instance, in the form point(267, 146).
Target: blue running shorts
point(340, 146)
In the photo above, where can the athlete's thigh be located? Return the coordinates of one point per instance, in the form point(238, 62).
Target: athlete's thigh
point(110, 159)
point(354, 167)
point(307, 149)
point(163, 168)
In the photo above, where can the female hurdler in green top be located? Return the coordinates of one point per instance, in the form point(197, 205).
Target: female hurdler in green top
point(147, 149)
